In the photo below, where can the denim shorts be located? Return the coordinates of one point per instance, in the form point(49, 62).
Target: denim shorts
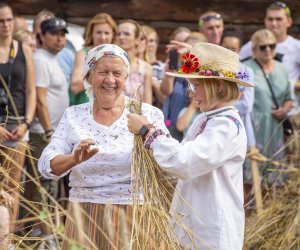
point(10, 123)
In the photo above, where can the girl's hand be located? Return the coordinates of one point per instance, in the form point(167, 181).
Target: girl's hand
point(5, 135)
point(136, 122)
point(84, 151)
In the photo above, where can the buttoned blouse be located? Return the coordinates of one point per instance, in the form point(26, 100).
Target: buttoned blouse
point(106, 177)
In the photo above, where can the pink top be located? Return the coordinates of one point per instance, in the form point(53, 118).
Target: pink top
point(135, 78)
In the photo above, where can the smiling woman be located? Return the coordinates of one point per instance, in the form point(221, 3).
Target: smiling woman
point(101, 29)
point(93, 142)
point(269, 75)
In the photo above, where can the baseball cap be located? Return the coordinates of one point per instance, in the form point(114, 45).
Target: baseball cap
point(53, 25)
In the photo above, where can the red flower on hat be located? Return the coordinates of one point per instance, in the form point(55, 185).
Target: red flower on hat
point(190, 63)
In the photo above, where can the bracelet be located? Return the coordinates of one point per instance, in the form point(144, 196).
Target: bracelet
point(151, 130)
point(27, 123)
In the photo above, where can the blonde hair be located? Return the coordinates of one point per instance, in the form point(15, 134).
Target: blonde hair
point(149, 30)
point(263, 33)
point(179, 30)
point(100, 18)
point(45, 14)
point(196, 37)
point(229, 92)
point(146, 31)
point(22, 35)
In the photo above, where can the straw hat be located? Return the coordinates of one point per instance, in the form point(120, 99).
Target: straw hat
point(207, 60)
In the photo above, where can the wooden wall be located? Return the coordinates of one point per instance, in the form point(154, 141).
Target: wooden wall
point(164, 15)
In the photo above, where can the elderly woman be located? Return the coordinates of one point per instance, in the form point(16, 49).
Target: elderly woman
point(101, 29)
point(269, 75)
point(93, 142)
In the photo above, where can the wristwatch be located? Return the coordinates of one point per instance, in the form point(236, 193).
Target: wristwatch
point(145, 130)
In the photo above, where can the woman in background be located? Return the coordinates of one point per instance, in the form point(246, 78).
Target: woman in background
point(101, 29)
point(17, 70)
point(266, 117)
point(139, 82)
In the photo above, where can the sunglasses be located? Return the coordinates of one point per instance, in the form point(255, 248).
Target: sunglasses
point(211, 17)
point(265, 46)
point(283, 6)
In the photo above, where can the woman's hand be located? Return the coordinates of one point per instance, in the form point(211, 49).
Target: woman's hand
point(280, 113)
point(18, 132)
point(5, 135)
point(135, 122)
point(84, 151)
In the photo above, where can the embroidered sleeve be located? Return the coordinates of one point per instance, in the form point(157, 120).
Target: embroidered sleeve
point(153, 136)
point(236, 122)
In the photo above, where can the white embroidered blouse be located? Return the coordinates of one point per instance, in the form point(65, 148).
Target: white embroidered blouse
point(106, 177)
point(208, 164)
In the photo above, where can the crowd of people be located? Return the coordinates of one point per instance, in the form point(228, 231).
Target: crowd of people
point(70, 113)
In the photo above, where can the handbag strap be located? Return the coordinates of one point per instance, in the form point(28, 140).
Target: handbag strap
point(10, 62)
point(269, 84)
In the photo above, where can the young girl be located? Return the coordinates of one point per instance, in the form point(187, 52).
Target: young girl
point(208, 163)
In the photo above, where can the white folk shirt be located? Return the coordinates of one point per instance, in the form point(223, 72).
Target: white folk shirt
point(209, 168)
point(106, 177)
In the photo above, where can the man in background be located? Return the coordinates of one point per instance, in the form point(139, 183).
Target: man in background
point(278, 19)
point(211, 25)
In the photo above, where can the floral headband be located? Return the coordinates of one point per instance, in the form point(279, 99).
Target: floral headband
point(191, 66)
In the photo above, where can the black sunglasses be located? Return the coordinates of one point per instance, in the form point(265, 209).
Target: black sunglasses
point(265, 46)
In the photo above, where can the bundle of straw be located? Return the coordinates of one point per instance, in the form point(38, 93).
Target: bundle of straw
point(277, 226)
point(151, 229)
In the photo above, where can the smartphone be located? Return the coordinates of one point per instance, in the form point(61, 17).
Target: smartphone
point(173, 59)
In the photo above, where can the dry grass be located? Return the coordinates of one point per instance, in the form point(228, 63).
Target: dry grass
point(278, 225)
point(158, 189)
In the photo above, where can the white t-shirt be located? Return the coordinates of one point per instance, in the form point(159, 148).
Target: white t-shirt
point(210, 180)
point(49, 74)
point(290, 49)
point(106, 177)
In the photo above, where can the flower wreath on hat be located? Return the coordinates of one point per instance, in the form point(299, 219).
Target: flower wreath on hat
point(191, 65)
point(211, 61)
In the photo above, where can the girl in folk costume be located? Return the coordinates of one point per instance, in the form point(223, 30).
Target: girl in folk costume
point(208, 163)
